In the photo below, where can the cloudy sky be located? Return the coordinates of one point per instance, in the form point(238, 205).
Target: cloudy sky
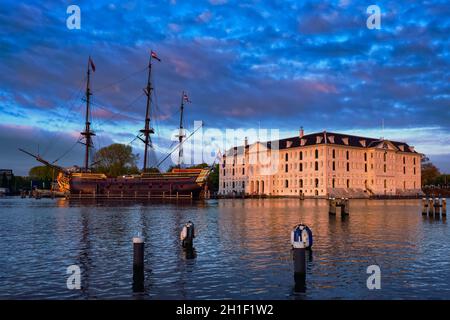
point(273, 64)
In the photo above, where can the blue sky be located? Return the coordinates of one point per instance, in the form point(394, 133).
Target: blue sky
point(246, 64)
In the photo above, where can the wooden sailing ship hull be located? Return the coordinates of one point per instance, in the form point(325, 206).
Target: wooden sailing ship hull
point(180, 183)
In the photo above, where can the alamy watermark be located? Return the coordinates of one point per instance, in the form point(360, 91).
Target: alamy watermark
point(74, 280)
point(374, 280)
point(73, 21)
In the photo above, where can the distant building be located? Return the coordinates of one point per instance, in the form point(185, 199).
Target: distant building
point(321, 164)
point(6, 176)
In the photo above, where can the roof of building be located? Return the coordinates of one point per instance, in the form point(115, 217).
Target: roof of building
point(328, 138)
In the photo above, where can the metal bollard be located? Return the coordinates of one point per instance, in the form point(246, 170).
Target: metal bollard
point(436, 206)
point(138, 264)
point(301, 240)
point(187, 235)
point(444, 207)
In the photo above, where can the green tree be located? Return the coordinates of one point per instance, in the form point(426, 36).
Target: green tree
point(430, 173)
point(41, 173)
point(213, 179)
point(115, 160)
point(4, 183)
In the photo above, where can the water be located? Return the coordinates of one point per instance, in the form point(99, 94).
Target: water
point(242, 250)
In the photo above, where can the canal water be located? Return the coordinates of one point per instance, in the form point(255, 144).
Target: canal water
point(242, 250)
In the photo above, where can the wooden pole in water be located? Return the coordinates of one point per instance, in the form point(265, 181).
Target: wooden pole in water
point(424, 206)
point(332, 206)
point(346, 209)
point(430, 206)
point(444, 207)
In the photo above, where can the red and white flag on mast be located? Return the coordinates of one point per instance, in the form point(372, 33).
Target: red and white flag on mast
point(186, 98)
point(155, 56)
point(92, 64)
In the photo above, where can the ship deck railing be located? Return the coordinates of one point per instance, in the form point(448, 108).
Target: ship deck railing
point(137, 196)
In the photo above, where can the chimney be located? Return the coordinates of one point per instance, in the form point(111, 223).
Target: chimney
point(302, 133)
point(246, 142)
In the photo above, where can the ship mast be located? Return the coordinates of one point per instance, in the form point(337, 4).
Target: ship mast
point(147, 129)
point(181, 134)
point(87, 133)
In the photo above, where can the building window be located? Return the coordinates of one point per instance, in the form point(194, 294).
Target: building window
point(243, 185)
point(414, 160)
point(333, 182)
point(347, 154)
point(286, 168)
point(384, 156)
point(243, 171)
point(233, 171)
point(316, 183)
point(404, 170)
point(301, 155)
point(334, 154)
point(348, 183)
point(404, 185)
point(384, 167)
point(286, 183)
point(300, 167)
point(414, 170)
point(316, 166)
point(224, 185)
point(301, 183)
point(286, 156)
point(224, 172)
point(365, 156)
point(334, 166)
point(233, 185)
point(385, 184)
point(365, 167)
point(317, 154)
point(348, 166)
point(404, 161)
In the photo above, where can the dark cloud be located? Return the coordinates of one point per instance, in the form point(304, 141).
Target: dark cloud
point(271, 63)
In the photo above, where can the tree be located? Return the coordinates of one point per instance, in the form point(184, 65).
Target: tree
point(43, 173)
point(4, 183)
point(213, 179)
point(430, 172)
point(115, 160)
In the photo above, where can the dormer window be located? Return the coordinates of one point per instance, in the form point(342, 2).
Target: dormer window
point(288, 144)
point(345, 141)
point(401, 147)
point(411, 149)
point(362, 142)
point(302, 142)
point(331, 139)
point(319, 139)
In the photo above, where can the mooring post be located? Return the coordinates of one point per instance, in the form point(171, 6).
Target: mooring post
point(301, 240)
point(436, 205)
point(187, 235)
point(424, 206)
point(332, 206)
point(444, 206)
point(430, 205)
point(346, 209)
point(138, 263)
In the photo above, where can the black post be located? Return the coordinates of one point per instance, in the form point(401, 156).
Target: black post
point(138, 264)
point(187, 235)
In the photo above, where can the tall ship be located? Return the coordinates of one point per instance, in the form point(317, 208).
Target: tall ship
point(84, 183)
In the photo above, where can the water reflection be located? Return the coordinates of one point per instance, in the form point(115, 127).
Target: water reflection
point(241, 249)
